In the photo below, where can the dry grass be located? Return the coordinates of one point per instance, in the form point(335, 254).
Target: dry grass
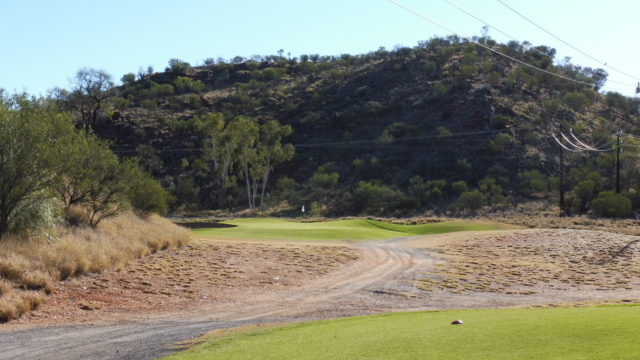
point(529, 262)
point(552, 221)
point(17, 303)
point(30, 267)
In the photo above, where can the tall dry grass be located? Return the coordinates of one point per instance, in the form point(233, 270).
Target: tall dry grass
point(31, 266)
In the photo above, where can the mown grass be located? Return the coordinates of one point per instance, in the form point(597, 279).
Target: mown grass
point(337, 230)
point(31, 266)
point(554, 333)
point(437, 228)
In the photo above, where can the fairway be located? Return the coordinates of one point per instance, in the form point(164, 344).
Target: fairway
point(609, 332)
point(337, 230)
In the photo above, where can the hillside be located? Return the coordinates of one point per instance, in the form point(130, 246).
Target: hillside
point(392, 132)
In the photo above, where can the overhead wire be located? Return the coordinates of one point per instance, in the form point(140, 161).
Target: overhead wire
point(566, 43)
point(421, 137)
point(562, 145)
point(574, 145)
point(515, 39)
point(487, 47)
point(374, 142)
point(587, 147)
point(492, 27)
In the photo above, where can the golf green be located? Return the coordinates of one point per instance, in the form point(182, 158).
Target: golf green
point(337, 230)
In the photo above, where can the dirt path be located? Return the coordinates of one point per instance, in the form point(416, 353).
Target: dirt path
point(383, 279)
point(351, 290)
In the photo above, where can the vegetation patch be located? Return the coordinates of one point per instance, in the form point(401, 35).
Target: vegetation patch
point(531, 262)
point(31, 266)
point(204, 272)
point(559, 333)
point(337, 230)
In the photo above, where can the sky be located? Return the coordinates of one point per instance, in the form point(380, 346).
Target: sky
point(46, 41)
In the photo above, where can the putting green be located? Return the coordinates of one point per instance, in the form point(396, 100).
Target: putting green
point(609, 332)
point(337, 230)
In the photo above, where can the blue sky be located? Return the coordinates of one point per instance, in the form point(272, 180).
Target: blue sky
point(46, 42)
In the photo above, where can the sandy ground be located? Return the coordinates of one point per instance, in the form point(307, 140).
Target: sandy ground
point(142, 310)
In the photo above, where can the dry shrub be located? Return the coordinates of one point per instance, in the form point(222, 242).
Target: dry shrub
point(11, 267)
point(8, 310)
point(6, 287)
point(37, 280)
point(35, 263)
point(18, 303)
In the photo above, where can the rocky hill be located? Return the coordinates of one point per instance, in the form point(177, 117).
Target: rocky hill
point(384, 132)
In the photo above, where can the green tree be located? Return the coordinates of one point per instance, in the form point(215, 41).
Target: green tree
point(500, 142)
point(373, 198)
point(270, 150)
point(144, 193)
point(185, 84)
point(532, 182)
point(245, 132)
point(178, 67)
point(93, 179)
point(32, 136)
point(458, 187)
point(469, 202)
point(426, 192)
point(576, 100)
point(610, 204)
point(260, 151)
point(585, 191)
point(221, 144)
point(128, 78)
point(89, 92)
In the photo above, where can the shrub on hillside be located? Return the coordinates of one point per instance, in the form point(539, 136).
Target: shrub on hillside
point(610, 204)
point(374, 198)
point(149, 104)
point(184, 84)
point(323, 180)
point(576, 100)
point(500, 142)
point(426, 192)
point(128, 78)
point(532, 182)
point(35, 215)
point(499, 121)
point(178, 67)
point(286, 190)
point(156, 90)
point(469, 202)
point(269, 74)
point(459, 187)
point(585, 191)
point(144, 193)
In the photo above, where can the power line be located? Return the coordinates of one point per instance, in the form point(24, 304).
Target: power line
point(562, 145)
point(422, 137)
point(486, 47)
point(493, 27)
point(375, 142)
point(572, 144)
point(586, 147)
point(566, 43)
point(515, 39)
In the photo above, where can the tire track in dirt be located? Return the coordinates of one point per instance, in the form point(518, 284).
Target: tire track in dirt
point(382, 264)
